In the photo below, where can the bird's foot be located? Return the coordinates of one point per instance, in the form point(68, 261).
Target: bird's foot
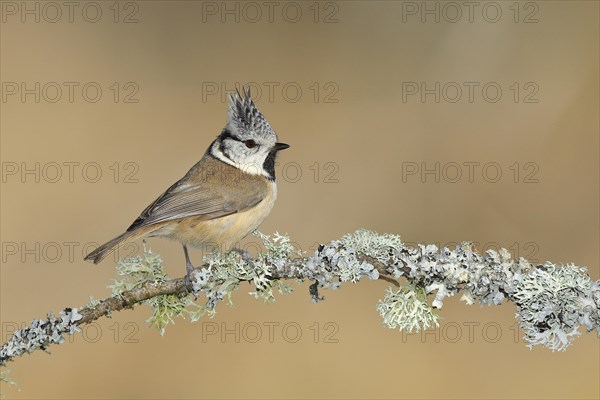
point(189, 285)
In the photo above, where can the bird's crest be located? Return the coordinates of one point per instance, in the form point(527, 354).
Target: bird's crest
point(244, 116)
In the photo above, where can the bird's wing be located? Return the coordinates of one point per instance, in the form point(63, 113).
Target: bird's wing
point(188, 199)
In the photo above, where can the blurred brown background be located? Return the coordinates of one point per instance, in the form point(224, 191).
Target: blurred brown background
point(115, 101)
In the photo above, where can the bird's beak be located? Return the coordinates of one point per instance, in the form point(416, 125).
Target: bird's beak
point(280, 146)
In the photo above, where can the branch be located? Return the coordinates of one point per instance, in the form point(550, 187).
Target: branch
point(552, 301)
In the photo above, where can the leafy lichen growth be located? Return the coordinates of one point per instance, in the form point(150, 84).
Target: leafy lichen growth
point(339, 261)
point(148, 268)
point(383, 248)
point(552, 301)
point(218, 279)
point(229, 269)
point(407, 309)
point(549, 301)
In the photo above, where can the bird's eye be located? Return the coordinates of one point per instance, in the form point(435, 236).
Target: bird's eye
point(250, 143)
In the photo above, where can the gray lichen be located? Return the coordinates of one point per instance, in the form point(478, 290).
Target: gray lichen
point(41, 333)
point(338, 262)
point(553, 301)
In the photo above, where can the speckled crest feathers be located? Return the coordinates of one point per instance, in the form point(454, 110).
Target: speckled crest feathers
point(244, 116)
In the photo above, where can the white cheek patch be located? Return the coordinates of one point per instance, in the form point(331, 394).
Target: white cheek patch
point(253, 166)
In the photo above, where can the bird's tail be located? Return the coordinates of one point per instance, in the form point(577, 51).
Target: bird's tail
point(101, 252)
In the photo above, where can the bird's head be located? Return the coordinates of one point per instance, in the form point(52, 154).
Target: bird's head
point(247, 142)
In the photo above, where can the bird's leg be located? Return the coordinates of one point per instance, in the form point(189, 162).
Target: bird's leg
point(189, 268)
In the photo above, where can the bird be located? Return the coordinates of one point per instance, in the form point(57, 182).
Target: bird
point(223, 197)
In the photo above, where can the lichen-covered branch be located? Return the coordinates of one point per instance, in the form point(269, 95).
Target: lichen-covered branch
point(552, 301)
